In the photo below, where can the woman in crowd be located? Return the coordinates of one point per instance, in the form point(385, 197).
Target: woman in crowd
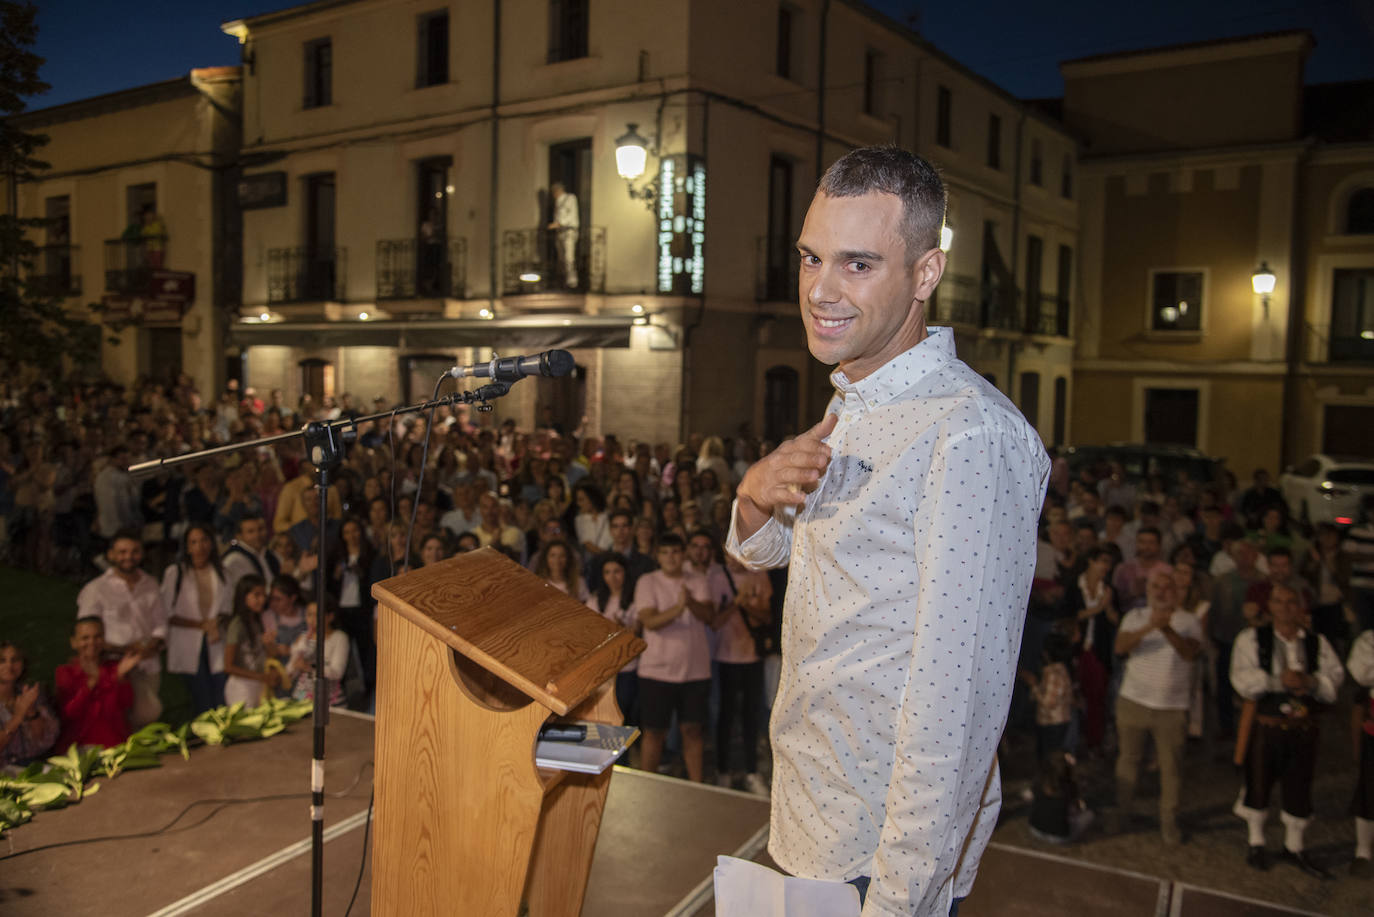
point(197, 597)
point(741, 672)
point(1193, 589)
point(1090, 602)
point(350, 578)
point(433, 549)
point(558, 565)
point(612, 601)
point(245, 646)
point(28, 725)
point(593, 529)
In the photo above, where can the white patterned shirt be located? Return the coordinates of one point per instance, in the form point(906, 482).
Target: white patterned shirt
point(910, 568)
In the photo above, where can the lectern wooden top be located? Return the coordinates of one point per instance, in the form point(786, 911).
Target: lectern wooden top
point(514, 624)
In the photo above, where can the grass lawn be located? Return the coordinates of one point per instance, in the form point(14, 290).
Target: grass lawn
point(36, 614)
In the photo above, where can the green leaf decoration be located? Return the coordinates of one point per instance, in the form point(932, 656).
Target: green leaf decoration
point(68, 777)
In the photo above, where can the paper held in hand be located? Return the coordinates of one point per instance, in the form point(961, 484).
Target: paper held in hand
point(592, 755)
point(748, 889)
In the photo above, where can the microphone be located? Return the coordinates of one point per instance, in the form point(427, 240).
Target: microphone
point(513, 369)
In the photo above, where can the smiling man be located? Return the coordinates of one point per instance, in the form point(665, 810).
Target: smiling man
point(908, 518)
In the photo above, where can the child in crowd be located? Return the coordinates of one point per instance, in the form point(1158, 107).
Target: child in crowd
point(246, 645)
point(94, 695)
point(301, 668)
point(1053, 694)
point(283, 614)
point(28, 724)
point(1058, 815)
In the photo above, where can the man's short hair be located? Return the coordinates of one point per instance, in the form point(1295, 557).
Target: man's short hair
point(1150, 530)
point(127, 535)
point(619, 513)
point(88, 619)
point(669, 540)
point(250, 517)
point(892, 170)
point(1116, 510)
point(1279, 550)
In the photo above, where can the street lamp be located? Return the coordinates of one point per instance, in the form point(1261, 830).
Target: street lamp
point(631, 160)
point(1262, 281)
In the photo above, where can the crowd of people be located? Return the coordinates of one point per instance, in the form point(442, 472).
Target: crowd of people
point(1160, 610)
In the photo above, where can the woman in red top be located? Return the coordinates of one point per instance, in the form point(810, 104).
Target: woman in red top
point(93, 696)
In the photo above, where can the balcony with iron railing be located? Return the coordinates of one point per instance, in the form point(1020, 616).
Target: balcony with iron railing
point(553, 261)
point(296, 275)
point(956, 301)
point(129, 263)
point(1001, 307)
point(52, 274)
point(422, 269)
point(778, 263)
point(1049, 315)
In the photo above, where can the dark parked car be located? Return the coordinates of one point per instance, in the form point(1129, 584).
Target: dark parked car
point(1140, 460)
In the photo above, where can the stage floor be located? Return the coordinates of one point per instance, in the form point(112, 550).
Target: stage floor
point(658, 844)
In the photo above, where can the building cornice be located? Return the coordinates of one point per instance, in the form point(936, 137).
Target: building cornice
point(1297, 41)
point(1180, 368)
point(1289, 151)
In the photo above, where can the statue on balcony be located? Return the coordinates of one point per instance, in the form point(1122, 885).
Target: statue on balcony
point(565, 226)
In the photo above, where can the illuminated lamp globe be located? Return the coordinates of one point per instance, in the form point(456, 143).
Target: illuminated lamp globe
point(631, 153)
point(1262, 280)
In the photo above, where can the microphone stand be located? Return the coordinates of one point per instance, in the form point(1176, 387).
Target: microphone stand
point(325, 443)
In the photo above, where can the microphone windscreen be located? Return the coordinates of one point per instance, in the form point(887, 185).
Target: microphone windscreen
point(559, 363)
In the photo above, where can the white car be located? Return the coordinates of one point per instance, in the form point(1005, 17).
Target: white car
point(1328, 488)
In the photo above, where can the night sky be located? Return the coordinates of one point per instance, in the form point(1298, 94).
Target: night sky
point(94, 46)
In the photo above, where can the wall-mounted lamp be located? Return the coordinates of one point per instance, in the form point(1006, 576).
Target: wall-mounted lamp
point(632, 159)
point(946, 238)
point(1262, 281)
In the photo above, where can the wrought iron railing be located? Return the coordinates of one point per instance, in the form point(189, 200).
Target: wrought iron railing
point(306, 275)
point(956, 301)
point(778, 262)
point(129, 263)
point(1001, 307)
point(553, 260)
point(422, 269)
point(52, 274)
point(1049, 315)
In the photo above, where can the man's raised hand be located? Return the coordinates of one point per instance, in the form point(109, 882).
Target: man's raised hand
point(783, 477)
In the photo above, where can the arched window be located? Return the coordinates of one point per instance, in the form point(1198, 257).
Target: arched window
point(1359, 212)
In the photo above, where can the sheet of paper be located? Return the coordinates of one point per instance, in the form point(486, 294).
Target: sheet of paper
point(748, 889)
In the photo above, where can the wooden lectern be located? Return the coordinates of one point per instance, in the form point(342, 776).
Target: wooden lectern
point(474, 654)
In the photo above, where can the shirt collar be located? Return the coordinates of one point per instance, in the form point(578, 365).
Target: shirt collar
point(897, 375)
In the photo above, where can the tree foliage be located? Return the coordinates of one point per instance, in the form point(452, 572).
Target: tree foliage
point(37, 330)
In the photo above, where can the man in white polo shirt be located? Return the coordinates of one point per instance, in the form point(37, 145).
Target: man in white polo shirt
point(1160, 643)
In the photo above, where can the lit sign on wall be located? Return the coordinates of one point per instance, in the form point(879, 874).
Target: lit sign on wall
point(682, 225)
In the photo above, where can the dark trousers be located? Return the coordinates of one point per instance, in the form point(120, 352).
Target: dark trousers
point(627, 696)
point(1092, 683)
point(205, 687)
point(357, 623)
point(1226, 703)
point(862, 882)
point(1050, 737)
point(1362, 806)
point(1285, 756)
point(741, 695)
